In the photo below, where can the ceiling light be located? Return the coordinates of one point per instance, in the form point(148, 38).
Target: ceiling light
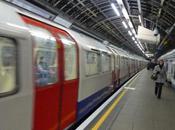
point(133, 38)
point(140, 19)
point(115, 9)
point(135, 42)
point(133, 31)
point(120, 2)
point(125, 13)
point(130, 24)
point(129, 32)
point(124, 24)
point(141, 46)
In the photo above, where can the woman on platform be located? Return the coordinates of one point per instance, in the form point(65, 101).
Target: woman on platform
point(160, 73)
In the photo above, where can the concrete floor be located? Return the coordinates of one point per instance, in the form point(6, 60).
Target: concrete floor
point(142, 110)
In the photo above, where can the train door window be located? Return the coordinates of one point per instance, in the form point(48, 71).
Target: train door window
point(92, 66)
point(8, 67)
point(112, 62)
point(174, 71)
point(45, 56)
point(116, 62)
point(171, 69)
point(166, 66)
point(105, 62)
point(70, 57)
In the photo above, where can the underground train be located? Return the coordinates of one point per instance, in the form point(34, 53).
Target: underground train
point(169, 59)
point(51, 76)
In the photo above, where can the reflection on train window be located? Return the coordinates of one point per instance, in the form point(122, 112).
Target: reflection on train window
point(106, 62)
point(166, 66)
point(70, 57)
point(171, 69)
point(112, 62)
point(174, 71)
point(45, 56)
point(92, 63)
point(7, 65)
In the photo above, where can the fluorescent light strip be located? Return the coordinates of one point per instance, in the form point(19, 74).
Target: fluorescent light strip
point(130, 24)
point(140, 19)
point(141, 46)
point(115, 9)
point(124, 24)
point(133, 31)
point(129, 32)
point(125, 14)
point(138, 45)
point(133, 38)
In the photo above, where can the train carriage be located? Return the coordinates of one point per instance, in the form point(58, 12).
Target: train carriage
point(169, 59)
point(123, 66)
point(116, 66)
point(95, 73)
point(16, 81)
point(51, 76)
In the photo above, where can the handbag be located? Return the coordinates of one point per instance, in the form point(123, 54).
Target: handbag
point(154, 76)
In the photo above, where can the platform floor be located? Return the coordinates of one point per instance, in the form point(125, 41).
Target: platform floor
point(141, 110)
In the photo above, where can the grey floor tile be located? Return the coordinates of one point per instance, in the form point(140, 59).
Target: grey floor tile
point(143, 111)
point(121, 126)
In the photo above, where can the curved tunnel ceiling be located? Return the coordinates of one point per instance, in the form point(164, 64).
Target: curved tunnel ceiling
point(98, 17)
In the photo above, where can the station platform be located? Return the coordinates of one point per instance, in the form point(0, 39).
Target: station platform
point(136, 108)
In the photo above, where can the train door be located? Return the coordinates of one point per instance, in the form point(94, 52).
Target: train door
point(125, 68)
point(113, 59)
point(47, 69)
point(169, 67)
point(69, 93)
point(132, 67)
point(173, 74)
point(129, 67)
point(117, 66)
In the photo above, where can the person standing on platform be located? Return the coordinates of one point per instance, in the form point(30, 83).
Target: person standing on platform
point(160, 72)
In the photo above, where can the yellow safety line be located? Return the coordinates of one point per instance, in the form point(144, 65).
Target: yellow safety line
point(103, 118)
point(110, 109)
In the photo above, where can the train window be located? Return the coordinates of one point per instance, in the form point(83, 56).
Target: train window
point(166, 66)
point(45, 56)
point(174, 75)
point(112, 62)
point(7, 66)
point(92, 63)
point(70, 57)
point(106, 62)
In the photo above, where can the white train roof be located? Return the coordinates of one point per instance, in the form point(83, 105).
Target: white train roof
point(11, 23)
point(88, 43)
point(170, 54)
point(84, 41)
point(119, 51)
